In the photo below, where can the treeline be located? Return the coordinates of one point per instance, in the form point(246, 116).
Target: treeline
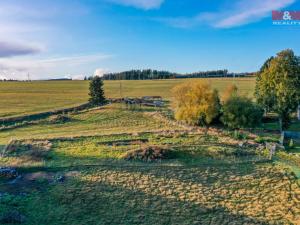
point(140, 75)
point(8, 80)
point(156, 74)
point(203, 74)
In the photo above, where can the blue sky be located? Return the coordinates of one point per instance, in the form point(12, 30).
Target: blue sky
point(54, 38)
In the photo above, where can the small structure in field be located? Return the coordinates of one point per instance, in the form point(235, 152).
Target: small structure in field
point(147, 98)
point(153, 101)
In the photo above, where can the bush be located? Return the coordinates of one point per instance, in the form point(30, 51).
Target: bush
point(148, 154)
point(196, 103)
point(241, 112)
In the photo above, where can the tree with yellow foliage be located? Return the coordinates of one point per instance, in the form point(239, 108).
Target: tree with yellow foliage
point(231, 91)
point(196, 103)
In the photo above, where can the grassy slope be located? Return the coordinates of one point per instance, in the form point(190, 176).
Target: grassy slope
point(102, 189)
point(108, 120)
point(19, 98)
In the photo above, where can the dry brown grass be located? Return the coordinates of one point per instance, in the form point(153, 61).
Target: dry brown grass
point(148, 154)
point(268, 195)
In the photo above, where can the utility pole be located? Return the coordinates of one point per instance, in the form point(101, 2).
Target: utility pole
point(121, 94)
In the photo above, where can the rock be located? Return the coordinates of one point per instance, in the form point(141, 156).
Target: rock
point(12, 217)
point(8, 173)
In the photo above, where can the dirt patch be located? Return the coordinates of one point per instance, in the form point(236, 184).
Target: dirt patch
point(148, 154)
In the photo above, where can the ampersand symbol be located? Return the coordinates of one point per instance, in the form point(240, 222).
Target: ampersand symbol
point(286, 15)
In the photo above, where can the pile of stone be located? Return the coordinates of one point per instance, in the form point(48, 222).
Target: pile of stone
point(8, 173)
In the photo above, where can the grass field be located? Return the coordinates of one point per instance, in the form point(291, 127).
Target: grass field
point(207, 180)
point(21, 98)
point(74, 171)
point(108, 120)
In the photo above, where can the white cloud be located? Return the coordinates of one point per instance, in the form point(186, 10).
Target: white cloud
point(141, 4)
point(19, 67)
point(2, 77)
point(78, 77)
point(31, 32)
point(241, 13)
point(251, 11)
point(100, 72)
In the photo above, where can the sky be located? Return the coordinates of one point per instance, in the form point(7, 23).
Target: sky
point(77, 38)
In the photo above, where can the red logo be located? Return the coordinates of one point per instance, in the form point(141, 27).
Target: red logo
point(286, 15)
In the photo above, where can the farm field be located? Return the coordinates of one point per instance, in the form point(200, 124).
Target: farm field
point(75, 173)
point(22, 98)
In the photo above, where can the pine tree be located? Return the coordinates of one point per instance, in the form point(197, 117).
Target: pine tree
point(96, 92)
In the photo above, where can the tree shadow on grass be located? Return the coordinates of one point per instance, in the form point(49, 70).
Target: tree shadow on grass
point(100, 202)
point(87, 202)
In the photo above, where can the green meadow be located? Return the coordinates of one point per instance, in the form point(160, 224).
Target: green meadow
point(21, 98)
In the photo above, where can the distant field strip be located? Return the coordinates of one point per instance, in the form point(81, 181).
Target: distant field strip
point(22, 98)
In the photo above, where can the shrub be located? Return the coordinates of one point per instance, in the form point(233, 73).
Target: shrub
point(241, 112)
point(196, 103)
point(148, 154)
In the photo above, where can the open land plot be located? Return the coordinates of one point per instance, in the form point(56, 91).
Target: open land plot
point(84, 180)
